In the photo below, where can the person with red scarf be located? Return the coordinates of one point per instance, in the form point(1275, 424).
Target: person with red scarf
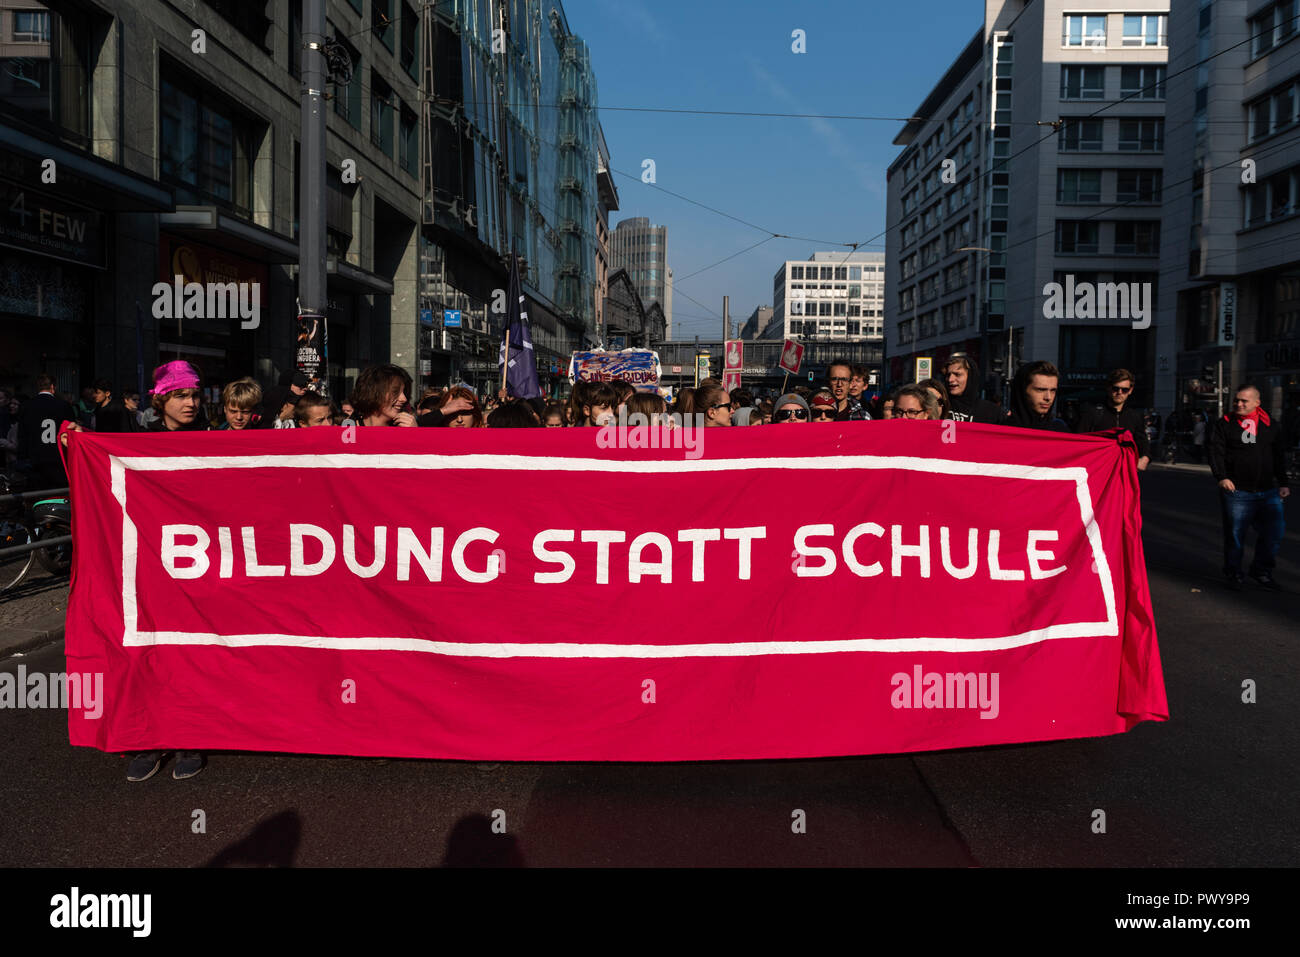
point(1247, 458)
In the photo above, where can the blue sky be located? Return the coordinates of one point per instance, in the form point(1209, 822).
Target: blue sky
point(822, 179)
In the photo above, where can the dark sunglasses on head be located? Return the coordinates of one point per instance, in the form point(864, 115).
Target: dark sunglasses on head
point(785, 414)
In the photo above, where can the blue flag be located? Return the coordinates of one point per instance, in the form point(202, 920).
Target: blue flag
point(520, 365)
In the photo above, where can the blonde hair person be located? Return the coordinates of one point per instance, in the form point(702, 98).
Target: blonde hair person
point(916, 402)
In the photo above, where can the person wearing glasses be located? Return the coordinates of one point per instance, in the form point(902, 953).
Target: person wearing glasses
point(822, 408)
point(1248, 460)
point(1118, 414)
point(790, 410)
point(917, 402)
point(847, 408)
point(715, 403)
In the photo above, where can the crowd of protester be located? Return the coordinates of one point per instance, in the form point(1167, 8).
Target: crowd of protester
point(1245, 448)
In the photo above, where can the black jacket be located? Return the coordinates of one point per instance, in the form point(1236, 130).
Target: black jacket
point(1098, 419)
point(39, 419)
point(969, 407)
point(1252, 466)
point(1022, 413)
point(114, 417)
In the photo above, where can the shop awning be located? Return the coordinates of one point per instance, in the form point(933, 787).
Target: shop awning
point(211, 225)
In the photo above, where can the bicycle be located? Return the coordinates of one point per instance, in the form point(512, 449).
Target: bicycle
point(14, 531)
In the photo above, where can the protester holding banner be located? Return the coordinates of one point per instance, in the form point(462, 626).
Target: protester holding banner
point(313, 410)
point(1033, 395)
point(380, 397)
point(176, 399)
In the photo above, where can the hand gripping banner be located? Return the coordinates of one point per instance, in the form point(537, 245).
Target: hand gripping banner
point(609, 594)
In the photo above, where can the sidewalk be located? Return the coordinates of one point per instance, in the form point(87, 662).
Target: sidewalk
point(33, 614)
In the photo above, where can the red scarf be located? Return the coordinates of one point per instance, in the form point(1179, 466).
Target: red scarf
point(1255, 417)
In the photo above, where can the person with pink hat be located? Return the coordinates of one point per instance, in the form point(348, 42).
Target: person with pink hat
point(175, 395)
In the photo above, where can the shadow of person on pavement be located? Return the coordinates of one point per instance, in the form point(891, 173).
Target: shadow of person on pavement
point(273, 843)
point(472, 843)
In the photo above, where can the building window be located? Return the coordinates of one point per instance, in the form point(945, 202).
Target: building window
point(1142, 82)
point(1077, 236)
point(347, 99)
point(1084, 31)
point(1083, 82)
point(31, 26)
point(1140, 238)
point(1139, 186)
point(47, 82)
point(1146, 30)
point(1081, 135)
point(205, 144)
point(796, 272)
point(1078, 186)
point(408, 141)
point(1281, 201)
point(381, 114)
point(1141, 136)
point(410, 56)
point(381, 21)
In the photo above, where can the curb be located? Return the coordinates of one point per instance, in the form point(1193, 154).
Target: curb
point(36, 634)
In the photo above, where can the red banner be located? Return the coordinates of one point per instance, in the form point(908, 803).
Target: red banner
point(609, 594)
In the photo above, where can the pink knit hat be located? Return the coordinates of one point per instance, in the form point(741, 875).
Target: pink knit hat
point(174, 375)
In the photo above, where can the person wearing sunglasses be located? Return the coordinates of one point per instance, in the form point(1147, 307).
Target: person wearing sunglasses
point(715, 403)
point(790, 409)
point(1118, 414)
point(822, 408)
point(915, 402)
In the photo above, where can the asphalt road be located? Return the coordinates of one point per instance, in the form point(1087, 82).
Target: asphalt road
point(1213, 786)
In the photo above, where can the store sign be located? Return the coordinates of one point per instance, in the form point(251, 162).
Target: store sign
point(1227, 313)
point(451, 318)
point(199, 263)
point(32, 221)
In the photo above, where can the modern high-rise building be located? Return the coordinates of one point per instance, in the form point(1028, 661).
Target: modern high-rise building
point(830, 295)
point(1230, 263)
point(512, 164)
point(642, 250)
point(1032, 172)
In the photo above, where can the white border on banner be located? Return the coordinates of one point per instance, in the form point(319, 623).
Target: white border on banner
point(133, 637)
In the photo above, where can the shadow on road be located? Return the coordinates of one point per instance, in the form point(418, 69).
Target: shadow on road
point(473, 844)
point(273, 843)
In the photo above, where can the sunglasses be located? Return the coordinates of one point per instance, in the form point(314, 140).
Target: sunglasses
point(1116, 388)
point(720, 405)
point(786, 414)
point(823, 414)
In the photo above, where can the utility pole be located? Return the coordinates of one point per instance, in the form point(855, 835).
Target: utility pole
point(726, 318)
point(312, 296)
